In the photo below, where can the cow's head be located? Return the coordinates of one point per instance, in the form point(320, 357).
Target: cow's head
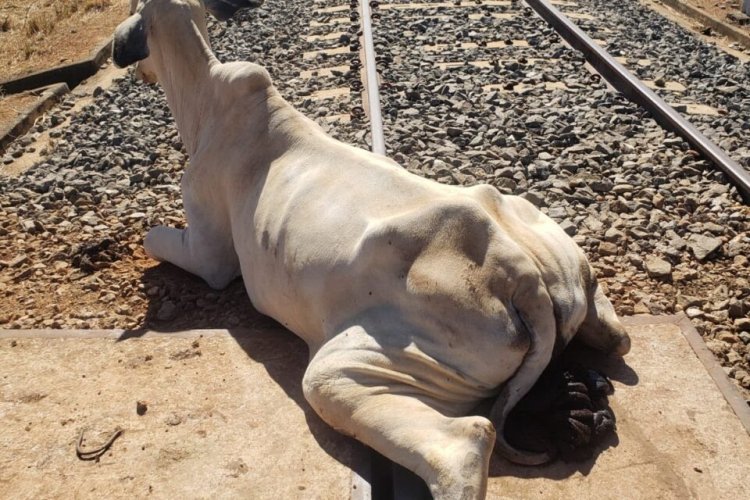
point(131, 39)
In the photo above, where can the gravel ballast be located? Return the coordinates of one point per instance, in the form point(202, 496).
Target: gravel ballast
point(664, 230)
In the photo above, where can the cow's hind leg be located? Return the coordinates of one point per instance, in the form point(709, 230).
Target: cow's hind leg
point(535, 312)
point(358, 393)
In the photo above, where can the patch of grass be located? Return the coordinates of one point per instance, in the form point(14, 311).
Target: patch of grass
point(65, 8)
point(39, 22)
point(28, 49)
point(43, 20)
point(38, 34)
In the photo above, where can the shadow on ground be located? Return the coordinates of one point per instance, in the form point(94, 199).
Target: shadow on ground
point(181, 301)
point(284, 356)
point(615, 369)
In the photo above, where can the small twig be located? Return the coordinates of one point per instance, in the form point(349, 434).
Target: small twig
point(94, 454)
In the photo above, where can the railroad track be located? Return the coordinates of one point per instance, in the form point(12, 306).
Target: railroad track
point(342, 72)
point(338, 43)
point(491, 53)
point(531, 118)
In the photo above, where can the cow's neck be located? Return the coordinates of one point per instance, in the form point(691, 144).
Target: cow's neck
point(183, 66)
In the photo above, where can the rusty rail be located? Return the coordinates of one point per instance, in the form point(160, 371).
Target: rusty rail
point(632, 88)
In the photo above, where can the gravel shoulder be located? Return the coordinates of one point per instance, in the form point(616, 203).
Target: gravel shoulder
point(698, 30)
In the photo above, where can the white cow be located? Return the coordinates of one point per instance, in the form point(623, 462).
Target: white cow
point(417, 300)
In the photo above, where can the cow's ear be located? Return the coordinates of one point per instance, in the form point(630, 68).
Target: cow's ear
point(224, 9)
point(130, 45)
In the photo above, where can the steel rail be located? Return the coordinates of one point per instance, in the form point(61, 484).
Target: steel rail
point(632, 88)
point(382, 479)
point(373, 92)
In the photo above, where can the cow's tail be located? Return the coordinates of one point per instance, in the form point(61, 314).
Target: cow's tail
point(541, 326)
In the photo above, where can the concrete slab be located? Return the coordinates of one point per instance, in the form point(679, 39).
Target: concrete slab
point(671, 86)
point(331, 22)
point(627, 61)
point(328, 52)
point(442, 5)
point(530, 61)
point(494, 15)
point(695, 109)
point(580, 16)
point(497, 44)
point(224, 417)
point(331, 10)
point(678, 436)
point(328, 36)
point(330, 93)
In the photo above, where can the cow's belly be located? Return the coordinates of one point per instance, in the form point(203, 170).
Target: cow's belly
point(318, 279)
point(420, 334)
point(287, 264)
point(279, 292)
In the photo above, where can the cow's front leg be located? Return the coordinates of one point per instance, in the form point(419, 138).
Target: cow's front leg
point(202, 251)
point(362, 394)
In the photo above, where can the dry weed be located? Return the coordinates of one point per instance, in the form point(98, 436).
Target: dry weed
point(96, 5)
point(43, 20)
point(39, 22)
point(28, 48)
point(38, 34)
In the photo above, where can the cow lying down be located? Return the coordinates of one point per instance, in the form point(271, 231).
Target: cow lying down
point(417, 300)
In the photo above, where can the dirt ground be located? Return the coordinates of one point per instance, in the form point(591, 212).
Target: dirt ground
point(721, 9)
point(41, 34)
point(213, 415)
point(36, 35)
